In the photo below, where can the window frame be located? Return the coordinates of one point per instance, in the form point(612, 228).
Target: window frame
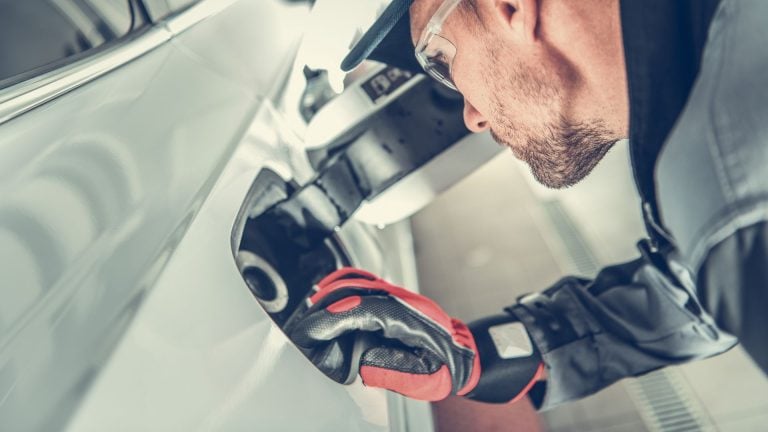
point(31, 89)
point(133, 32)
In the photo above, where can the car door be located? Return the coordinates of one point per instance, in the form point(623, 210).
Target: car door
point(132, 169)
point(111, 137)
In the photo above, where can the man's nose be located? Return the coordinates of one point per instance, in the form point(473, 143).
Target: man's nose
point(475, 121)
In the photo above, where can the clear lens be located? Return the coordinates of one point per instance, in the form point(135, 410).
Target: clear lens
point(435, 54)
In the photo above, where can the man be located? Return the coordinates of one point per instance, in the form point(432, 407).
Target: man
point(559, 82)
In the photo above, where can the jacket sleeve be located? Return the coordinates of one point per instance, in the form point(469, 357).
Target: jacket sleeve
point(631, 319)
point(733, 287)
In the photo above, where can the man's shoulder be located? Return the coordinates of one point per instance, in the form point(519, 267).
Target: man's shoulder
point(710, 175)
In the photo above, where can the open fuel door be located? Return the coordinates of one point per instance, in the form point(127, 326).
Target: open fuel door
point(390, 144)
point(380, 151)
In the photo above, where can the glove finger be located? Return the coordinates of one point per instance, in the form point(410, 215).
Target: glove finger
point(346, 273)
point(323, 324)
point(334, 291)
point(416, 374)
point(424, 306)
point(375, 314)
point(339, 298)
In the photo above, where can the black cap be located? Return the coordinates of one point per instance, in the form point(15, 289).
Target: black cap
point(388, 40)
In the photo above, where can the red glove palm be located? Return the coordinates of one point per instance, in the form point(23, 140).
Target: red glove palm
point(405, 342)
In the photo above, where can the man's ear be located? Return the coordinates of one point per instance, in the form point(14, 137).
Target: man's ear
point(522, 16)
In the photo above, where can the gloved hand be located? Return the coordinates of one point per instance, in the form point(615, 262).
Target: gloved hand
point(404, 342)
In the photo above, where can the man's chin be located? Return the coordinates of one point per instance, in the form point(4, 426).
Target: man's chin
point(558, 172)
point(563, 162)
point(554, 182)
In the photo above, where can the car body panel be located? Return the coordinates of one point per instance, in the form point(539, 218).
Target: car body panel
point(121, 178)
point(99, 185)
point(202, 353)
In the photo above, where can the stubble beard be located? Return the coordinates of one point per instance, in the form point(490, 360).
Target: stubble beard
point(560, 153)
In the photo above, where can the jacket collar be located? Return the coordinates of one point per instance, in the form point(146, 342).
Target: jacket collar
point(663, 44)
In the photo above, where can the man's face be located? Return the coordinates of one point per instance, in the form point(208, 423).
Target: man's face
point(521, 88)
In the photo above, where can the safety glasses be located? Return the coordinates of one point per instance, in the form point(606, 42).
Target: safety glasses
point(434, 52)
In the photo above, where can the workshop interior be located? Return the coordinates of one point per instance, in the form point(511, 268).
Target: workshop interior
point(178, 176)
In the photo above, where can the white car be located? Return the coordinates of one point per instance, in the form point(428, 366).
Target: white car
point(144, 147)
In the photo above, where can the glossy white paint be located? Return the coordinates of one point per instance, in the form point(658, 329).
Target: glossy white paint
point(97, 190)
point(123, 308)
point(25, 96)
point(203, 355)
point(98, 186)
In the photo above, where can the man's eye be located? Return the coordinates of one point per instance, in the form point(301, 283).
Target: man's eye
point(441, 67)
point(440, 57)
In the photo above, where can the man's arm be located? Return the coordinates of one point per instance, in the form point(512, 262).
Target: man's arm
point(637, 317)
point(631, 319)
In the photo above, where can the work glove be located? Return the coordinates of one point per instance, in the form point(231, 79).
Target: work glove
point(404, 342)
